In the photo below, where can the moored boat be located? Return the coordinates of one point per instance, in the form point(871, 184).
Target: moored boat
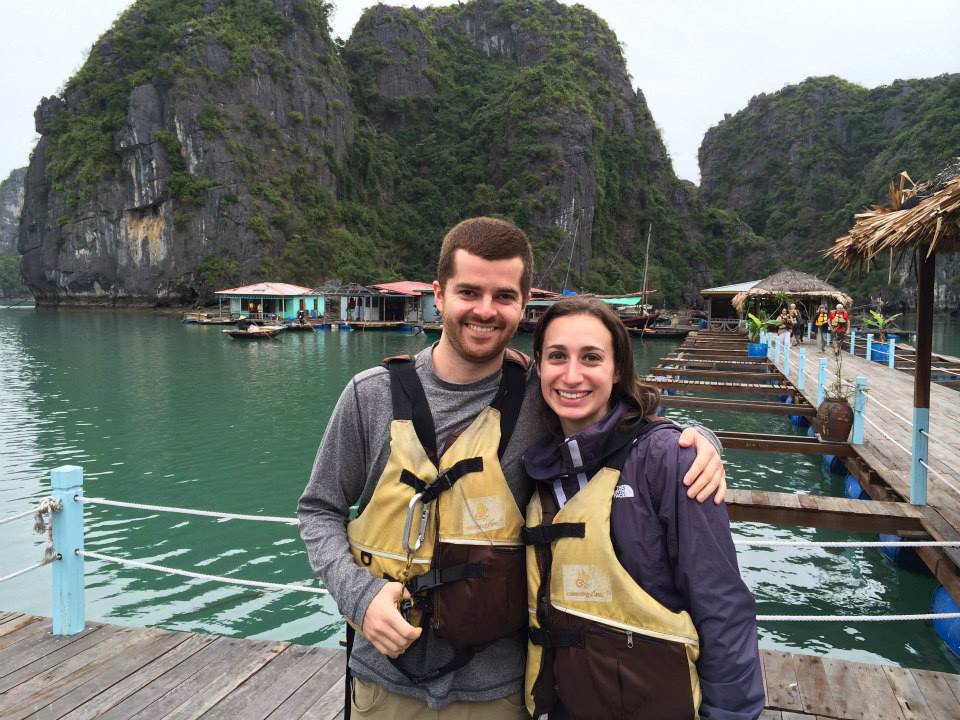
point(255, 332)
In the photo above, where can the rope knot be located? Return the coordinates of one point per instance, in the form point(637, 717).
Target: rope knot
point(47, 506)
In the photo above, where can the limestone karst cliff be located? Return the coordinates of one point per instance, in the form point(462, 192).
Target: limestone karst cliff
point(213, 142)
point(797, 164)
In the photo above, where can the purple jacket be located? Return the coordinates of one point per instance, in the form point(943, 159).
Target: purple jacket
point(678, 550)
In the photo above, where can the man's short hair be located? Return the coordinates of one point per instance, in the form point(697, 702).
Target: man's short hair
point(490, 239)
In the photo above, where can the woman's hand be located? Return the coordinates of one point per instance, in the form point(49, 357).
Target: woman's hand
point(706, 475)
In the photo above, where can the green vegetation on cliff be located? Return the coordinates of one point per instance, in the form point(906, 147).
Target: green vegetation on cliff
point(799, 163)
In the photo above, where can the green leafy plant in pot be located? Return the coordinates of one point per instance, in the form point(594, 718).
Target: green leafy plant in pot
point(835, 415)
point(755, 325)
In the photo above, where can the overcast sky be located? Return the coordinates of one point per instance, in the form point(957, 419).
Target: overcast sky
point(694, 60)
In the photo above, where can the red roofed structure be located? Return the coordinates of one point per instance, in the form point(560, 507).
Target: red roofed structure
point(405, 287)
point(272, 299)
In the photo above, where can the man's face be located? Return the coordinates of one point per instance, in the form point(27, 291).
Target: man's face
point(482, 305)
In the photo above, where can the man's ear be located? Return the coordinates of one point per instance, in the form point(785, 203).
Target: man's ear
point(438, 295)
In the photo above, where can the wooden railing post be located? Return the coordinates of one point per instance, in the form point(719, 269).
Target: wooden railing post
point(920, 451)
point(859, 407)
point(822, 381)
point(891, 350)
point(68, 586)
point(801, 366)
point(786, 358)
point(810, 330)
point(853, 340)
point(869, 346)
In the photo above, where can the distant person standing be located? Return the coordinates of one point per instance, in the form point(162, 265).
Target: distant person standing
point(785, 328)
point(822, 325)
point(798, 322)
point(839, 322)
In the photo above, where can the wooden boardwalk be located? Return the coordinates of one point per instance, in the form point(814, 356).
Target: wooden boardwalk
point(894, 389)
point(113, 673)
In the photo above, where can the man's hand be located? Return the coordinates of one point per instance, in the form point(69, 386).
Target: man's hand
point(384, 626)
point(706, 476)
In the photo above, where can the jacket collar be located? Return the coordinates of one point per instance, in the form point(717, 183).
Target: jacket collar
point(557, 456)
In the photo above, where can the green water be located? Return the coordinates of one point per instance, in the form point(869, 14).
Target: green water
point(170, 414)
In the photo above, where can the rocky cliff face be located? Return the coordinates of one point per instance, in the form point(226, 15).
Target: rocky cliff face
point(211, 142)
point(202, 118)
point(798, 164)
point(11, 203)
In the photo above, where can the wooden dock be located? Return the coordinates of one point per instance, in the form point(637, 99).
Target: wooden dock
point(114, 673)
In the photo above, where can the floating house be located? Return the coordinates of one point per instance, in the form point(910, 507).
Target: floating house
point(272, 300)
point(721, 314)
point(405, 301)
point(408, 300)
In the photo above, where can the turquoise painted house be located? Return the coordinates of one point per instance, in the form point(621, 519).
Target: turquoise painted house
point(267, 300)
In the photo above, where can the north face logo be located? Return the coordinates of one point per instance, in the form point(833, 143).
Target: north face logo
point(623, 491)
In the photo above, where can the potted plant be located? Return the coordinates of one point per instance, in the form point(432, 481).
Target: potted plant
point(880, 352)
point(755, 325)
point(835, 415)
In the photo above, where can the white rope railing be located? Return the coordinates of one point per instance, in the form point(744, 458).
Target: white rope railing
point(934, 438)
point(874, 401)
point(25, 513)
point(880, 430)
point(187, 511)
point(846, 543)
point(278, 587)
point(24, 571)
point(857, 618)
point(941, 477)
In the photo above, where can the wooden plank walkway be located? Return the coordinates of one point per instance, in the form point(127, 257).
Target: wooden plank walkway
point(894, 389)
point(115, 672)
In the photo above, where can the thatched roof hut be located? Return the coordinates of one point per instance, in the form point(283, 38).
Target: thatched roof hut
point(926, 215)
point(796, 284)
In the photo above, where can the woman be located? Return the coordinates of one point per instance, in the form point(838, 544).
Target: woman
point(637, 606)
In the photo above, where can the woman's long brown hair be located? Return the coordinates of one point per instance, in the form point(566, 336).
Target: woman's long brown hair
point(641, 399)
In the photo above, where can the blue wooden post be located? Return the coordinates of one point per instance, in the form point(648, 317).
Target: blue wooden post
point(853, 340)
point(68, 600)
point(891, 348)
point(810, 330)
point(822, 381)
point(801, 366)
point(869, 345)
point(786, 358)
point(918, 473)
point(859, 406)
point(779, 349)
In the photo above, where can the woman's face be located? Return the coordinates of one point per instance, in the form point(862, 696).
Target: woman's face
point(577, 370)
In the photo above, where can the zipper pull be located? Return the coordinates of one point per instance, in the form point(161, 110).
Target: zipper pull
point(629, 639)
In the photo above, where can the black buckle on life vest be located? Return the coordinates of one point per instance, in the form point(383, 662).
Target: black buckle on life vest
point(546, 534)
point(445, 480)
point(554, 638)
point(439, 576)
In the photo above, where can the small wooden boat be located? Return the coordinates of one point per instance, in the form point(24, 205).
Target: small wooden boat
point(660, 332)
point(255, 332)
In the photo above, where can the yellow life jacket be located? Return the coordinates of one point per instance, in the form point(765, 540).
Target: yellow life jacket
point(821, 319)
point(598, 641)
point(448, 527)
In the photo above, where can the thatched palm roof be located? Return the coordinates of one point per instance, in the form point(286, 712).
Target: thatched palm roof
point(925, 215)
point(795, 284)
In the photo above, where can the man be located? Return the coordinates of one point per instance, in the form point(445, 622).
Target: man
point(399, 669)
point(839, 321)
point(821, 323)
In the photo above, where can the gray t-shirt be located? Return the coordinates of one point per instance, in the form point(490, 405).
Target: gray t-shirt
point(349, 462)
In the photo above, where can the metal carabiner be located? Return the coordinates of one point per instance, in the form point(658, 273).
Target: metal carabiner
point(421, 526)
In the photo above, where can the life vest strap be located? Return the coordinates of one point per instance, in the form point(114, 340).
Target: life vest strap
point(554, 638)
point(410, 401)
point(430, 491)
point(440, 576)
point(546, 534)
point(513, 383)
point(460, 658)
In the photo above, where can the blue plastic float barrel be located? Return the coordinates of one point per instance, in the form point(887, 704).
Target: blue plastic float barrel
point(853, 490)
point(948, 630)
point(831, 463)
point(905, 558)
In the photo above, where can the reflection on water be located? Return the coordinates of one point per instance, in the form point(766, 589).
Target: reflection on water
point(170, 414)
